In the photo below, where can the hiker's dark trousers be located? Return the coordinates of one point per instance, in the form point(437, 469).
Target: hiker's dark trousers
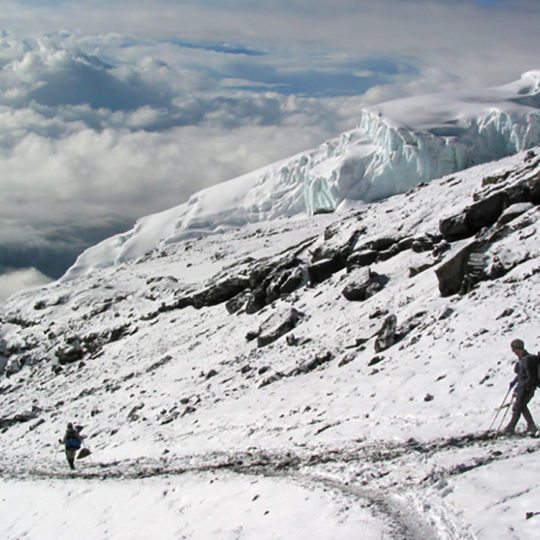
point(70, 456)
point(520, 408)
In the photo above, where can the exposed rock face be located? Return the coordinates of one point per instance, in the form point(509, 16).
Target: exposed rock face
point(20, 418)
point(514, 211)
point(277, 325)
point(362, 284)
point(219, 292)
point(363, 257)
point(452, 272)
point(489, 205)
point(236, 303)
point(323, 269)
point(285, 282)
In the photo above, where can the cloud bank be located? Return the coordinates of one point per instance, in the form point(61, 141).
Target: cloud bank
point(16, 280)
point(114, 110)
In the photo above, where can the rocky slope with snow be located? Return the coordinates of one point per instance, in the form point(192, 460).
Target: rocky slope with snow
point(332, 376)
point(395, 146)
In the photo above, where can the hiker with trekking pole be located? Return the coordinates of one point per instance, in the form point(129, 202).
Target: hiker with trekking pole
point(72, 442)
point(524, 385)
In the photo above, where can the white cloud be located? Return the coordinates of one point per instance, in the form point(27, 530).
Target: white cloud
point(133, 106)
point(16, 280)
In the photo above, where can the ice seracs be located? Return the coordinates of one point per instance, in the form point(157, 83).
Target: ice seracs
point(396, 145)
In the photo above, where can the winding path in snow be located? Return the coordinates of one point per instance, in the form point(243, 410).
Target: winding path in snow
point(389, 491)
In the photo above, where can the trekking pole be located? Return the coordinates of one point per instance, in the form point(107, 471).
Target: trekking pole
point(57, 448)
point(498, 410)
point(505, 413)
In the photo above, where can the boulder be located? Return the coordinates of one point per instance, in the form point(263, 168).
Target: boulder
point(362, 284)
point(69, 352)
point(386, 336)
point(452, 272)
point(277, 325)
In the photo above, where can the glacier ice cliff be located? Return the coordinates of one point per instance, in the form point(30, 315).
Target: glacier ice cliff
point(395, 146)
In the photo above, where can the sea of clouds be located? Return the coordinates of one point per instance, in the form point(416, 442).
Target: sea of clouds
point(137, 105)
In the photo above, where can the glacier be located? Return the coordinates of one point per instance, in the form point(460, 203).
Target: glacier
point(395, 146)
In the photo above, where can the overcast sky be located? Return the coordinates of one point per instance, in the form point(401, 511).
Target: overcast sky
point(111, 110)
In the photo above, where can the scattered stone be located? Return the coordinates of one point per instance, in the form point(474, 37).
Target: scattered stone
point(251, 335)
point(319, 360)
point(506, 313)
point(428, 397)
point(347, 359)
point(386, 336)
point(447, 312)
point(272, 379)
point(379, 312)
point(292, 340)
point(277, 325)
point(189, 410)
point(375, 360)
point(132, 415)
point(362, 284)
point(69, 353)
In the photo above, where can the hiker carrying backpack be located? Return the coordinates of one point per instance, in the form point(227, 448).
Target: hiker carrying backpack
point(525, 383)
point(72, 442)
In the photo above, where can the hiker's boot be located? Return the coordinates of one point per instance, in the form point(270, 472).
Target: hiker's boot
point(531, 428)
point(511, 427)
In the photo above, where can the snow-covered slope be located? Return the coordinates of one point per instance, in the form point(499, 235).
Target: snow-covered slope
point(367, 418)
point(395, 146)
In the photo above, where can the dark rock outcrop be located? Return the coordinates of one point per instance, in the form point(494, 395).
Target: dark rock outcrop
point(362, 284)
point(277, 325)
point(70, 352)
point(220, 292)
point(451, 273)
point(386, 336)
point(323, 269)
point(363, 257)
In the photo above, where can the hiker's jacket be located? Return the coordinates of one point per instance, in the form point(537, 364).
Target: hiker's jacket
point(525, 380)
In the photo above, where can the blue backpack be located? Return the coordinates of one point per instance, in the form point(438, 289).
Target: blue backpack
point(73, 442)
